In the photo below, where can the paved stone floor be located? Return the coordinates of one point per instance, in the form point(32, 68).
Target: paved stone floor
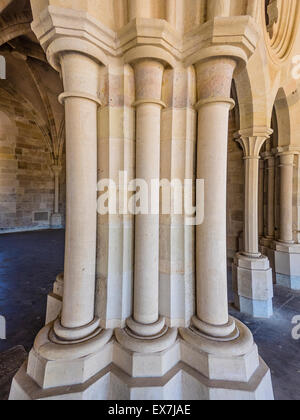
point(29, 263)
point(275, 342)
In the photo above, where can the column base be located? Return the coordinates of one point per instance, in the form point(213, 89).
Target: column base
point(253, 286)
point(180, 384)
point(181, 372)
point(255, 308)
point(158, 342)
point(54, 300)
point(287, 265)
point(56, 221)
point(52, 364)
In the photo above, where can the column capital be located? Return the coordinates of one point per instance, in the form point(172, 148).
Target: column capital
point(214, 81)
point(268, 156)
point(252, 140)
point(287, 150)
point(148, 81)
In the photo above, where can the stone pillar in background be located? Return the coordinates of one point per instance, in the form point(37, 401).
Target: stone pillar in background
point(252, 275)
point(269, 238)
point(267, 242)
point(56, 218)
point(286, 198)
point(148, 331)
point(216, 344)
point(261, 199)
point(287, 253)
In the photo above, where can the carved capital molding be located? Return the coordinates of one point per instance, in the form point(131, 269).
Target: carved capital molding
point(59, 30)
point(252, 141)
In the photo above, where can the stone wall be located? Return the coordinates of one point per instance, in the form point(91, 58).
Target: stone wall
point(26, 179)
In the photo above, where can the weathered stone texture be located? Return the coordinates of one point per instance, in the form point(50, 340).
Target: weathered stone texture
point(26, 179)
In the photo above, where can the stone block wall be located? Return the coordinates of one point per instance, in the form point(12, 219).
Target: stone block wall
point(26, 179)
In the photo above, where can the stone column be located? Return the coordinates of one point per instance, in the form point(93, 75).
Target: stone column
point(146, 322)
point(269, 159)
point(261, 199)
point(267, 242)
point(252, 275)
point(218, 8)
point(80, 76)
point(76, 334)
point(214, 78)
point(221, 345)
point(56, 220)
point(287, 254)
point(286, 197)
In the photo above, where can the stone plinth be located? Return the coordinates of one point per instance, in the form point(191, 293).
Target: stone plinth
point(253, 285)
point(287, 265)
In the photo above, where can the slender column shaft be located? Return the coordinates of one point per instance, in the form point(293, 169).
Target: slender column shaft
point(56, 170)
point(251, 206)
point(149, 76)
point(252, 144)
point(214, 105)
point(271, 197)
point(80, 76)
point(218, 8)
point(261, 199)
point(286, 197)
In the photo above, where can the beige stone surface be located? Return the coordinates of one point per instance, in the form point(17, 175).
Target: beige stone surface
point(149, 87)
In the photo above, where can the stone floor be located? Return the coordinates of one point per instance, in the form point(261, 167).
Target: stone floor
point(29, 263)
point(275, 342)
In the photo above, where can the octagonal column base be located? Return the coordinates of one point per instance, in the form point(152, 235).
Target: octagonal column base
point(184, 371)
point(253, 286)
point(287, 265)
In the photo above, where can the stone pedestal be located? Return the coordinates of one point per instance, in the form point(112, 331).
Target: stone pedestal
point(287, 252)
point(287, 265)
point(181, 372)
point(253, 286)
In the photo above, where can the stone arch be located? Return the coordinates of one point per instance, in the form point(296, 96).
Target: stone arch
point(14, 27)
point(252, 92)
point(35, 115)
point(283, 118)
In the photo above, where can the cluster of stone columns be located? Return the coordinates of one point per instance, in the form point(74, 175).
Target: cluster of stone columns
point(206, 355)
